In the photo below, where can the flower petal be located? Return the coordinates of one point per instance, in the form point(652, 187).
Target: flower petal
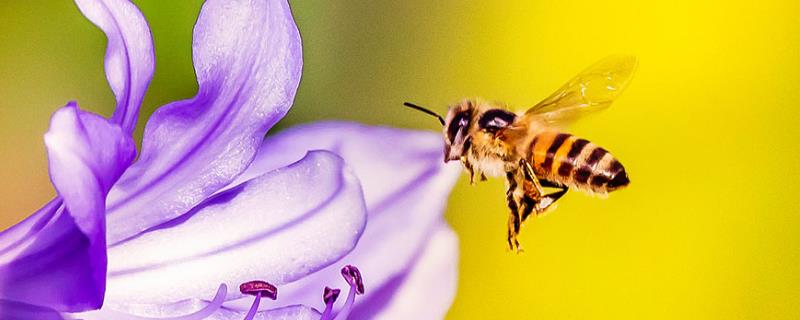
point(57, 257)
point(81, 145)
point(277, 227)
point(426, 291)
point(296, 312)
point(247, 57)
point(129, 58)
point(11, 310)
point(405, 186)
point(385, 159)
point(200, 309)
point(14, 237)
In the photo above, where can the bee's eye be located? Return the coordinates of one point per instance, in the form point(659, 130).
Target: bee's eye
point(461, 120)
point(496, 119)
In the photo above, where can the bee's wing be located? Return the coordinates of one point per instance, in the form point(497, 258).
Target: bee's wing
point(591, 90)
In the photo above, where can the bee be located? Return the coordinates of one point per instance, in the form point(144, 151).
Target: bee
point(530, 148)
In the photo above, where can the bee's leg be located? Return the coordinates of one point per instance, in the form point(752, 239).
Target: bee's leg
point(551, 198)
point(540, 205)
point(530, 177)
point(470, 170)
point(514, 220)
point(531, 190)
point(513, 231)
point(528, 205)
point(550, 184)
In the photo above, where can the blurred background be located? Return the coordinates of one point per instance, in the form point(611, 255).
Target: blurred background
point(709, 228)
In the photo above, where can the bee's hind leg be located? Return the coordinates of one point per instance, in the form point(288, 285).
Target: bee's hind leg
point(531, 190)
point(551, 198)
point(534, 199)
point(550, 184)
point(542, 204)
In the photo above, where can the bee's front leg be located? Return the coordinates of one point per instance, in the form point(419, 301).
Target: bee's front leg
point(470, 170)
point(514, 219)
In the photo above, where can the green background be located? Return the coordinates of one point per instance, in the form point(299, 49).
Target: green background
point(707, 130)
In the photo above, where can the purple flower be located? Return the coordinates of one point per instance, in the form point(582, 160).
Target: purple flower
point(210, 205)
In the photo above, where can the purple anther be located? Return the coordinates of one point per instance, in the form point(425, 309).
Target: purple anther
point(254, 287)
point(353, 277)
point(330, 295)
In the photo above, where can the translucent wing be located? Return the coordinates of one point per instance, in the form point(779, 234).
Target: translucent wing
point(591, 90)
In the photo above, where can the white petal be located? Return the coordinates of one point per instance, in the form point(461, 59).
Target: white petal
point(406, 187)
point(296, 312)
point(277, 227)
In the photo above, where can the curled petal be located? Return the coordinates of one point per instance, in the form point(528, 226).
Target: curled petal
point(405, 186)
point(81, 145)
point(247, 57)
point(277, 227)
point(129, 58)
point(57, 257)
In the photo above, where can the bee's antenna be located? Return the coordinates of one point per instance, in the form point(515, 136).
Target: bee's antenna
point(414, 106)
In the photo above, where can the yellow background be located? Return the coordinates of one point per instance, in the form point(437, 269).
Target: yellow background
point(707, 129)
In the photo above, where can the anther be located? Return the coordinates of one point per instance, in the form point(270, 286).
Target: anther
point(255, 287)
point(330, 295)
point(353, 278)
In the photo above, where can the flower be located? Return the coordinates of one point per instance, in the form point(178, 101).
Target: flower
point(209, 204)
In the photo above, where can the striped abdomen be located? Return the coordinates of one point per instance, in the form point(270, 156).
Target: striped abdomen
point(574, 162)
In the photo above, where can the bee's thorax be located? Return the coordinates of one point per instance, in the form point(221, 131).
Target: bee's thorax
point(491, 156)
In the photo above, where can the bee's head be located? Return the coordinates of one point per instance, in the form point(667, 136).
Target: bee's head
point(465, 117)
point(456, 130)
point(455, 127)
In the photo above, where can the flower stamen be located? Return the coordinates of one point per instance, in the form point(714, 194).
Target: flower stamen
point(259, 289)
point(353, 278)
point(329, 296)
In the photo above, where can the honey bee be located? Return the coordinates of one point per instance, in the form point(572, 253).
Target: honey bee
point(531, 150)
